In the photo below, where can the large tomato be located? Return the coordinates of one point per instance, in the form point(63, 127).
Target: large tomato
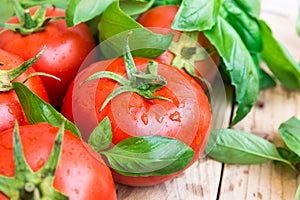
point(162, 17)
point(66, 48)
point(10, 108)
point(186, 116)
point(80, 173)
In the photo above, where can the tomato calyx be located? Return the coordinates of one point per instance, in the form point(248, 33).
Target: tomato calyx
point(27, 184)
point(187, 52)
point(29, 24)
point(6, 76)
point(144, 83)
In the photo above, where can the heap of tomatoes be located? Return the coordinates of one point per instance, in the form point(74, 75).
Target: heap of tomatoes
point(140, 98)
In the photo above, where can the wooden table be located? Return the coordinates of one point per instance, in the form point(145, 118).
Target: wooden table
point(211, 180)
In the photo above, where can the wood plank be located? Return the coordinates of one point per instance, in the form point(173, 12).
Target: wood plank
point(266, 181)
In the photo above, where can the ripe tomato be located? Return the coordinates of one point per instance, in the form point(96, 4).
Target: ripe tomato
point(80, 173)
point(162, 17)
point(10, 107)
point(66, 48)
point(186, 116)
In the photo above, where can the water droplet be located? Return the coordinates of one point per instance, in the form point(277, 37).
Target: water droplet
point(175, 116)
point(76, 190)
point(144, 118)
point(198, 140)
point(40, 162)
point(159, 118)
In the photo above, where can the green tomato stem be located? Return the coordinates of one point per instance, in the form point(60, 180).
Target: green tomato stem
point(28, 21)
point(6, 76)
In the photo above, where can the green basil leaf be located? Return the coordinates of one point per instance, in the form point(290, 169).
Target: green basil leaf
point(265, 80)
point(239, 66)
point(37, 110)
point(101, 137)
point(246, 26)
point(290, 133)
point(135, 7)
point(279, 60)
point(289, 155)
point(238, 147)
point(196, 15)
point(252, 7)
point(6, 10)
point(149, 156)
point(83, 10)
point(31, 3)
point(166, 2)
point(143, 43)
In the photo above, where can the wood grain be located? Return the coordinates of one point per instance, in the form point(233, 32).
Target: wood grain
point(267, 181)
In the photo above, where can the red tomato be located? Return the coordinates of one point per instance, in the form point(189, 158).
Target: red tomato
point(80, 174)
point(10, 108)
point(66, 48)
point(186, 117)
point(162, 17)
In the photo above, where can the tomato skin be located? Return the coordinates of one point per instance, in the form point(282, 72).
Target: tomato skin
point(80, 174)
point(162, 17)
point(10, 107)
point(66, 48)
point(186, 117)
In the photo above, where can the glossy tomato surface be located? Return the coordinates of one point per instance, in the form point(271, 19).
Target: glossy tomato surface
point(66, 48)
point(80, 174)
point(10, 107)
point(163, 17)
point(186, 116)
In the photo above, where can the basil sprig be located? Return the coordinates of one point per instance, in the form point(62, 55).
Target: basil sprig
point(241, 37)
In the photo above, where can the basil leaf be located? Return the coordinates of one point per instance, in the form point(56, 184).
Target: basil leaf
point(166, 2)
point(6, 10)
point(83, 10)
point(143, 43)
point(279, 60)
point(101, 137)
point(245, 25)
point(239, 66)
point(238, 147)
point(252, 7)
point(290, 133)
point(289, 155)
point(149, 156)
point(135, 7)
point(37, 110)
point(196, 15)
point(265, 80)
point(31, 3)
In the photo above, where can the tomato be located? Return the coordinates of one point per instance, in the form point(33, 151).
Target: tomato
point(80, 173)
point(66, 48)
point(186, 116)
point(10, 107)
point(162, 17)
